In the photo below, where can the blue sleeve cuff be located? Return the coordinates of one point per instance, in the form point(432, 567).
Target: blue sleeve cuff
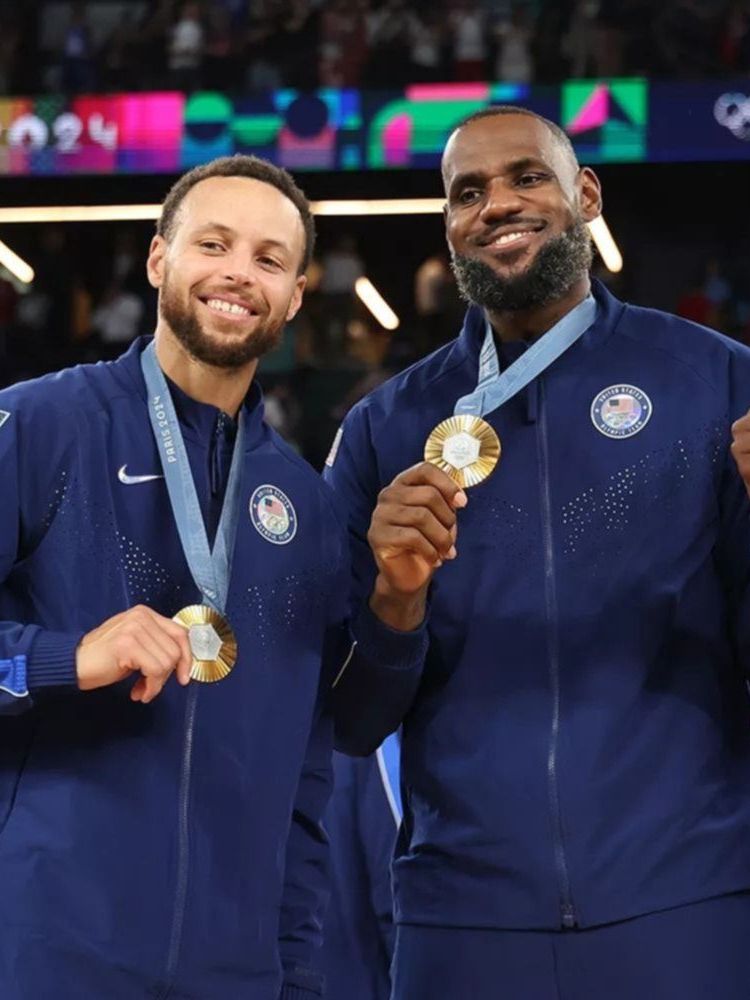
point(52, 660)
point(378, 643)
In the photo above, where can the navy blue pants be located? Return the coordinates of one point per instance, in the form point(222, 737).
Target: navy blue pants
point(695, 952)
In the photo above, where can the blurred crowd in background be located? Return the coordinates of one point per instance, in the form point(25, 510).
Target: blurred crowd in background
point(111, 45)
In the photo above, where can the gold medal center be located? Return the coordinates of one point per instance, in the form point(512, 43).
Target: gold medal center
point(460, 450)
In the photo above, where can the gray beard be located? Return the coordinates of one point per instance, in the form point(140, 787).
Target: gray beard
point(187, 328)
point(553, 272)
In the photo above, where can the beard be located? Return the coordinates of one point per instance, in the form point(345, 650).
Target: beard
point(212, 350)
point(553, 272)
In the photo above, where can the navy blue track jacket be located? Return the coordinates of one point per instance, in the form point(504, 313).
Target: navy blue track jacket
point(576, 746)
point(172, 849)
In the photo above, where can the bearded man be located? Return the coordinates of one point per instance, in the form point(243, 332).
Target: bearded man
point(163, 839)
point(551, 501)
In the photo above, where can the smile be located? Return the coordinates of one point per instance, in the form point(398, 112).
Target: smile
point(228, 308)
point(508, 240)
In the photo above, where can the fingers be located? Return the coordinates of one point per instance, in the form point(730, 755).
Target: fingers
point(417, 513)
point(174, 641)
point(400, 524)
point(426, 474)
point(403, 539)
point(152, 645)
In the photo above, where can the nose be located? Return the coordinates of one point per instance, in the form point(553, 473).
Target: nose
point(502, 199)
point(238, 268)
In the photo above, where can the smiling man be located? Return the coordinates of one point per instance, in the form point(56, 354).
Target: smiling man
point(576, 742)
point(163, 839)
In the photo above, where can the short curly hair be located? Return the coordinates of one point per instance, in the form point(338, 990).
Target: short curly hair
point(239, 166)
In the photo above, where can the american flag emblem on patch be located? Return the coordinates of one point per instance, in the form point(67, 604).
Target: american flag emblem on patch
point(621, 411)
point(273, 515)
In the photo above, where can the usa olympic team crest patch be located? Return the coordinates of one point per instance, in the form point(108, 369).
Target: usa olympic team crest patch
point(273, 515)
point(621, 411)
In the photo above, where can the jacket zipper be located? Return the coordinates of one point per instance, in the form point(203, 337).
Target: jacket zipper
point(567, 910)
point(183, 835)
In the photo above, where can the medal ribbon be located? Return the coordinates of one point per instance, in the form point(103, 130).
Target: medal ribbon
point(493, 388)
point(210, 569)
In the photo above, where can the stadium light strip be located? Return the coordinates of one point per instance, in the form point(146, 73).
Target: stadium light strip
point(377, 305)
point(16, 265)
point(600, 232)
point(605, 244)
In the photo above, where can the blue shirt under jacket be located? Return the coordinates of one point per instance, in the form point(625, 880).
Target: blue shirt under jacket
point(361, 821)
point(576, 747)
point(173, 849)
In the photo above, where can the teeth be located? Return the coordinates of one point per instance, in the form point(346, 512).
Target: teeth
point(509, 238)
point(228, 307)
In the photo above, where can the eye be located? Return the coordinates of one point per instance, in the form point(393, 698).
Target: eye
point(270, 263)
point(468, 196)
point(530, 179)
point(212, 246)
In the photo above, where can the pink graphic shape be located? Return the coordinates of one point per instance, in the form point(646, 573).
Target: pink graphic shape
point(448, 92)
point(593, 114)
point(152, 124)
point(397, 140)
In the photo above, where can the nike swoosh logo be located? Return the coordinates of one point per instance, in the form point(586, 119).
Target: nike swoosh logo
point(127, 480)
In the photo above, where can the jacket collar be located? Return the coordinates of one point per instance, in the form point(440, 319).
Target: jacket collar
point(198, 420)
point(609, 309)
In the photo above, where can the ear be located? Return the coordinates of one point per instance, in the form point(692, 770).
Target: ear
point(296, 298)
point(157, 253)
point(589, 194)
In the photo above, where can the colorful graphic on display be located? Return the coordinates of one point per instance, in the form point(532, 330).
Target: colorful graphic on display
point(607, 120)
point(299, 131)
point(412, 130)
point(616, 121)
point(128, 133)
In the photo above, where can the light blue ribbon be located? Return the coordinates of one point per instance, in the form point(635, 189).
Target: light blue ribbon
point(210, 568)
point(389, 764)
point(493, 388)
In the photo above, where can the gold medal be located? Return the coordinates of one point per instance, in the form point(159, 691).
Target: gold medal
point(212, 642)
point(464, 447)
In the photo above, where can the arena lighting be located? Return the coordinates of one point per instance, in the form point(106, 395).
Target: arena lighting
point(80, 213)
point(16, 265)
point(377, 305)
point(379, 206)
point(140, 213)
point(605, 244)
point(365, 206)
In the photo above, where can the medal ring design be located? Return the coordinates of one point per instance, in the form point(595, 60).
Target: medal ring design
point(464, 447)
point(212, 642)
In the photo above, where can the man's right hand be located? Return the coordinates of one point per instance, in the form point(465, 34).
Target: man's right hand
point(412, 533)
point(137, 641)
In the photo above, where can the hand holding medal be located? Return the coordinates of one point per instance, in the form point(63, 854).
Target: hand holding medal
point(412, 533)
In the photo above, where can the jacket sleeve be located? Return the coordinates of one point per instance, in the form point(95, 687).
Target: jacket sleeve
point(375, 691)
point(31, 658)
